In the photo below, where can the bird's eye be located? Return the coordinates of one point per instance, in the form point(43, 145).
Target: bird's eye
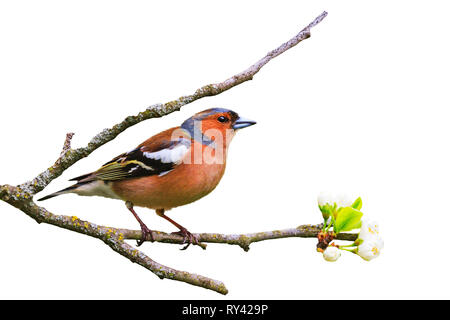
point(222, 119)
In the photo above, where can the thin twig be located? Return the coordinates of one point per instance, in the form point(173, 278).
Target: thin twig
point(159, 110)
point(21, 196)
point(67, 143)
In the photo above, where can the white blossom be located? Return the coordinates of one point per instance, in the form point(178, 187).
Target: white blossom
point(369, 229)
point(343, 200)
point(379, 242)
point(324, 198)
point(331, 253)
point(369, 250)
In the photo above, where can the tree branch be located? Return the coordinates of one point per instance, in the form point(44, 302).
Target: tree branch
point(21, 196)
point(115, 238)
point(159, 110)
point(242, 240)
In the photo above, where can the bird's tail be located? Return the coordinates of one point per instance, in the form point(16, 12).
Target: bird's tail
point(81, 180)
point(63, 191)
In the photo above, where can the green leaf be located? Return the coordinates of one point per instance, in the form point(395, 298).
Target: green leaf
point(326, 211)
point(357, 204)
point(347, 219)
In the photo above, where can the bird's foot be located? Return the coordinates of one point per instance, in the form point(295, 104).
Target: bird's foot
point(146, 234)
point(188, 238)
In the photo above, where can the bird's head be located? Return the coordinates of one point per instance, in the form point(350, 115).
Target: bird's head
point(207, 125)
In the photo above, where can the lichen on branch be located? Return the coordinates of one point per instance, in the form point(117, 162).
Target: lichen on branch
point(21, 196)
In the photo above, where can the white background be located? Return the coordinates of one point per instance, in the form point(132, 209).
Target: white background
point(361, 106)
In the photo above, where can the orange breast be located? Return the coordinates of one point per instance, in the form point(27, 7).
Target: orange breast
point(186, 183)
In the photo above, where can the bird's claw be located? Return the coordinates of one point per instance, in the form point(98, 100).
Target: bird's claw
point(146, 234)
point(187, 237)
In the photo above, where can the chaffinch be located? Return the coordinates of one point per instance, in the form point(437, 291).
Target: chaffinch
point(173, 168)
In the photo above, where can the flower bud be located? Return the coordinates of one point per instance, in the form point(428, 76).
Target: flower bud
point(324, 198)
point(343, 200)
point(331, 253)
point(325, 201)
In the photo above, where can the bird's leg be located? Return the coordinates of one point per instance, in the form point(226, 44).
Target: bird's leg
point(146, 232)
point(187, 236)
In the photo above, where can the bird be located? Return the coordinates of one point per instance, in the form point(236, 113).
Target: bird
point(170, 169)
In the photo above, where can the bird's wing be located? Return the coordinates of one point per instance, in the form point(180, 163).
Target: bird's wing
point(145, 160)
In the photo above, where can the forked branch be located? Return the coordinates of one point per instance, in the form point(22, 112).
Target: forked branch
point(21, 196)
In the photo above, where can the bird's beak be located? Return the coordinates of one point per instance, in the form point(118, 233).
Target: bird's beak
point(243, 123)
